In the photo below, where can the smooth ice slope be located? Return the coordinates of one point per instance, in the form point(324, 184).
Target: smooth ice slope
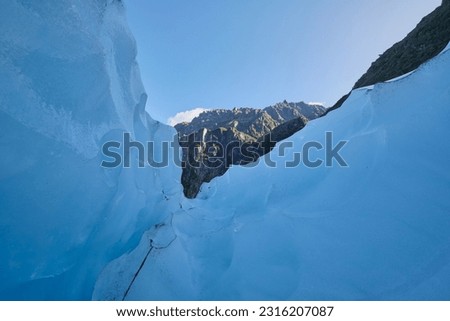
point(378, 229)
point(68, 83)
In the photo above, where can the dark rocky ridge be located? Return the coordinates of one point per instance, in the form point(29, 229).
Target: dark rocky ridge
point(424, 42)
point(218, 139)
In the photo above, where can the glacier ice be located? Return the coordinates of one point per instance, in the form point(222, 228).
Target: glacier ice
point(377, 230)
point(71, 229)
point(69, 82)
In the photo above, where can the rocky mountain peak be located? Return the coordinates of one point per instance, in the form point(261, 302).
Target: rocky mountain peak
point(209, 134)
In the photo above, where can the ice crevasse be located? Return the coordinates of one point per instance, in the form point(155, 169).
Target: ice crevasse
point(70, 229)
point(375, 230)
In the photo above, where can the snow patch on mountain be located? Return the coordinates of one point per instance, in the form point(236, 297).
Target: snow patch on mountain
point(185, 116)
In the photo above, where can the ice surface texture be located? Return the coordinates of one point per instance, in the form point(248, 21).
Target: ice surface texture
point(69, 82)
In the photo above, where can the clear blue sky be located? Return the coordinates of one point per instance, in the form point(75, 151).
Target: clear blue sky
point(233, 53)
